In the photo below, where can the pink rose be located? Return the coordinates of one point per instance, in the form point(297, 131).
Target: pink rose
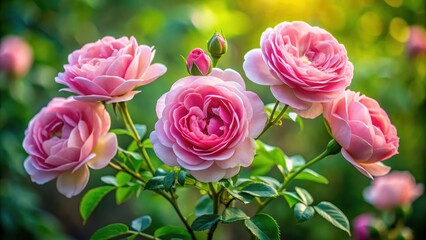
point(109, 69)
point(304, 65)
point(64, 139)
point(16, 56)
point(393, 190)
point(362, 225)
point(198, 62)
point(364, 131)
point(207, 124)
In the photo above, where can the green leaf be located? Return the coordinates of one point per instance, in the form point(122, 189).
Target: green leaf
point(260, 190)
point(147, 143)
point(110, 231)
point(110, 180)
point(294, 162)
point(121, 132)
point(303, 212)
point(243, 197)
point(205, 222)
point(204, 206)
point(169, 232)
point(273, 182)
point(122, 194)
point(141, 223)
point(304, 195)
point(134, 155)
point(181, 178)
point(91, 200)
point(334, 215)
point(263, 226)
point(141, 129)
point(266, 157)
point(233, 214)
point(123, 178)
point(155, 183)
point(169, 181)
point(311, 175)
point(292, 198)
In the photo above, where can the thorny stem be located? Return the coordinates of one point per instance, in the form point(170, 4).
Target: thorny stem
point(145, 235)
point(272, 121)
point(332, 148)
point(124, 111)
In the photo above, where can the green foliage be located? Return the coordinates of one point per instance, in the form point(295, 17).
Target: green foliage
point(110, 231)
point(260, 190)
point(311, 175)
point(263, 226)
point(292, 198)
point(91, 200)
point(204, 206)
point(205, 222)
point(304, 195)
point(141, 129)
point(266, 158)
point(303, 212)
point(141, 223)
point(334, 215)
point(170, 232)
point(231, 215)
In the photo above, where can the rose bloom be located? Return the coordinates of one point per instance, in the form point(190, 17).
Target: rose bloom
point(64, 139)
point(109, 70)
point(393, 190)
point(207, 124)
point(16, 56)
point(362, 225)
point(304, 66)
point(364, 131)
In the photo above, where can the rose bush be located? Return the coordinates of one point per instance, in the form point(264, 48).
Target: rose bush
point(304, 65)
point(364, 131)
point(393, 190)
point(207, 125)
point(109, 70)
point(64, 139)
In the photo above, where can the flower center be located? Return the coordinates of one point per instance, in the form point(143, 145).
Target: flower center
point(305, 60)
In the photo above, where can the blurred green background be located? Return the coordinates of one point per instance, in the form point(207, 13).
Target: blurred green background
point(374, 33)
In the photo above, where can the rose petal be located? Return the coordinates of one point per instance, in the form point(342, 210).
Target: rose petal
point(256, 69)
point(71, 184)
point(105, 150)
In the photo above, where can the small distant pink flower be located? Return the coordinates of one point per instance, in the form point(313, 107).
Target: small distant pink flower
point(364, 131)
point(393, 190)
point(416, 42)
point(66, 138)
point(207, 125)
point(109, 70)
point(361, 226)
point(16, 56)
point(304, 65)
point(198, 62)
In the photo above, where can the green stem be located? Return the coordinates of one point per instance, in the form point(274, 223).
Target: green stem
point(272, 121)
point(332, 148)
point(145, 235)
point(124, 111)
point(216, 197)
point(122, 167)
point(215, 60)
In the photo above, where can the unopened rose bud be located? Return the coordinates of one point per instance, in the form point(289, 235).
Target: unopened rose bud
point(217, 45)
point(16, 56)
point(198, 62)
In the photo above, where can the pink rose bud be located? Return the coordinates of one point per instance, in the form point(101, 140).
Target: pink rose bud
point(208, 125)
point(109, 70)
point(64, 140)
point(304, 66)
point(198, 63)
point(217, 45)
point(362, 225)
point(416, 43)
point(393, 190)
point(16, 56)
point(364, 132)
